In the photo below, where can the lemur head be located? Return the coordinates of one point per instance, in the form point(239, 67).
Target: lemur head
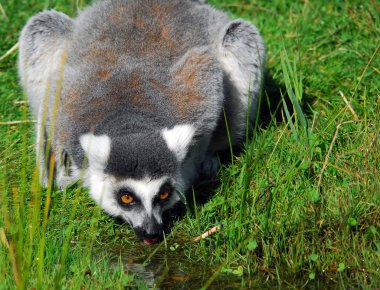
point(137, 177)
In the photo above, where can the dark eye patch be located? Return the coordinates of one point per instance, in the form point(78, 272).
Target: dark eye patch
point(121, 195)
point(164, 194)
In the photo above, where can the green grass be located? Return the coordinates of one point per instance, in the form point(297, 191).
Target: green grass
point(298, 207)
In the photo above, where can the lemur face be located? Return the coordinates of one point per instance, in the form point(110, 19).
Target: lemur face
point(143, 202)
point(139, 202)
point(137, 189)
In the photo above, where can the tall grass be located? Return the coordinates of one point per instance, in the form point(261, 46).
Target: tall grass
point(47, 236)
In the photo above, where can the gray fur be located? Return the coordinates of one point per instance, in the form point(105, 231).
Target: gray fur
point(136, 156)
point(41, 57)
point(135, 68)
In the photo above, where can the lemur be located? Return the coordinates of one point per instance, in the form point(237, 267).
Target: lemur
point(134, 97)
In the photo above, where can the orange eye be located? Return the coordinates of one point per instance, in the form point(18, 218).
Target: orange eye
point(164, 195)
point(127, 199)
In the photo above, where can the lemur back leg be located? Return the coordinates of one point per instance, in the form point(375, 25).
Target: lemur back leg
point(41, 55)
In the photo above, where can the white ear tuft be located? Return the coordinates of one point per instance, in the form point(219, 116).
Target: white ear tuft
point(97, 149)
point(178, 139)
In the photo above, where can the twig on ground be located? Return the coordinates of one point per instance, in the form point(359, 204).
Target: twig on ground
point(349, 106)
point(206, 234)
point(17, 122)
point(12, 49)
point(16, 103)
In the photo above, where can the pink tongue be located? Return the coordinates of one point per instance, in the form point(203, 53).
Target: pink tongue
point(150, 241)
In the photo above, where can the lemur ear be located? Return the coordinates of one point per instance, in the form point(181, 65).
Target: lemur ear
point(242, 40)
point(242, 55)
point(179, 139)
point(238, 30)
point(97, 149)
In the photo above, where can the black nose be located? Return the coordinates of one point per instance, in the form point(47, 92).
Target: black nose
point(148, 238)
point(150, 232)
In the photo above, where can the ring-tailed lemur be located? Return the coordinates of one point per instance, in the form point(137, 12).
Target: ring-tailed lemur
point(132, 95)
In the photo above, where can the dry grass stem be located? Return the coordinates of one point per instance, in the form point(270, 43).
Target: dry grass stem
point(16, 103)
point(375, 6)
point(349, 106)
point(206, 234)
point(376, 69)
point(17, 122)
point(325, 163)
point(3, 238)
point(365, 69)
point(13, 48)
point(15, 266)
point(3, 11)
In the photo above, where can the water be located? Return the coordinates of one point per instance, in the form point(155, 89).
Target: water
point(162, 268)
point(166, 269)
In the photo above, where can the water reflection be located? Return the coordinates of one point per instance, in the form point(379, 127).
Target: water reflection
point(166, 269)
point(162, 268)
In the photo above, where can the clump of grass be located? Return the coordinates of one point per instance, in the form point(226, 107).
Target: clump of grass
point(47, 236)
point(290, 214)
